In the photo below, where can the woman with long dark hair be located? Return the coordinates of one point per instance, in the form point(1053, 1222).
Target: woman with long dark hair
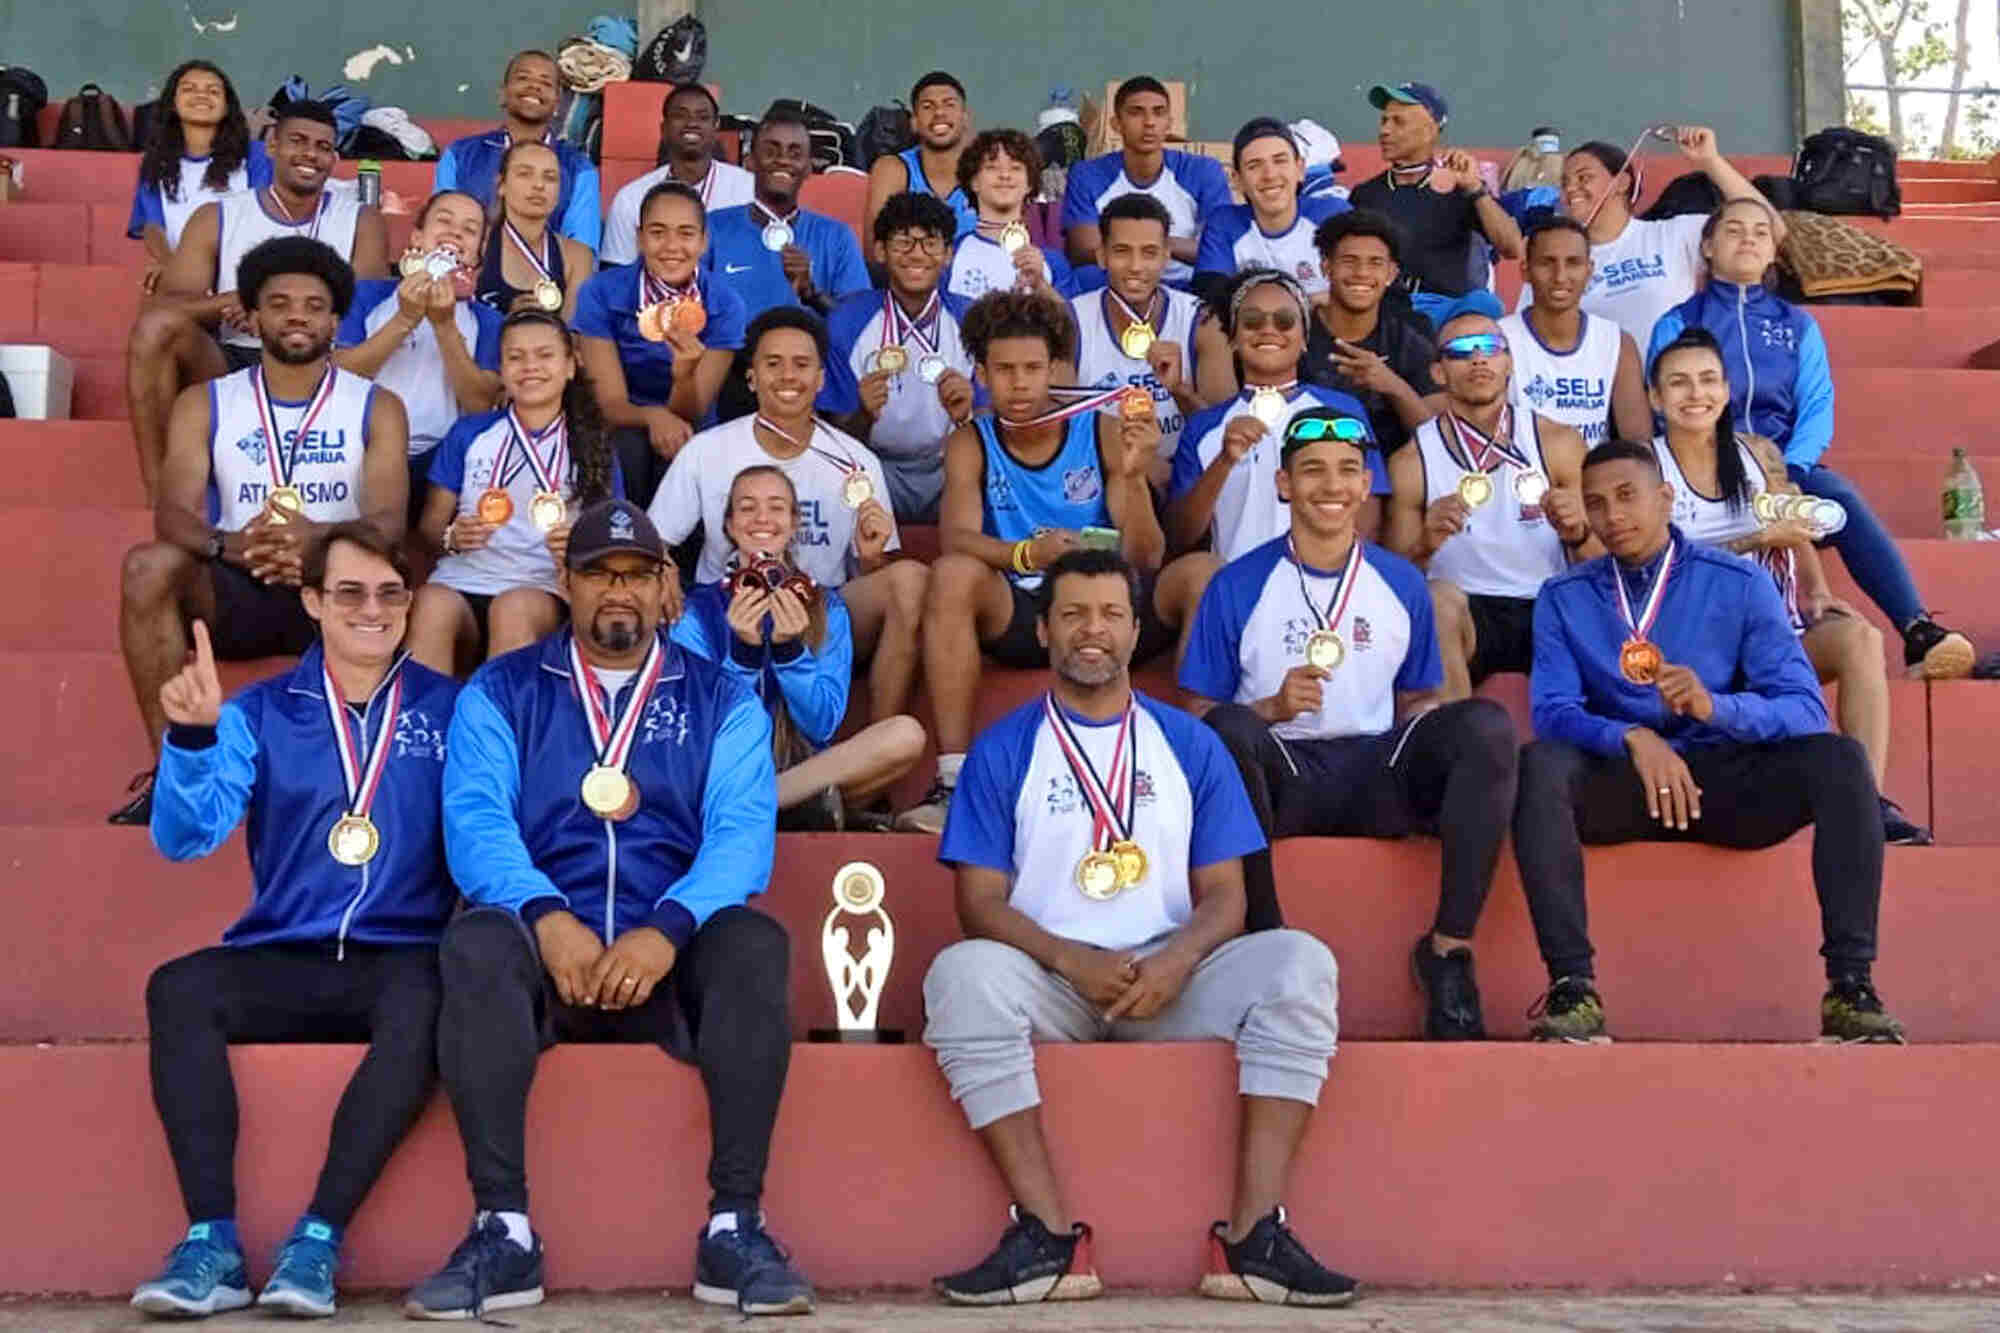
point(1718, 476)
point(504, 488)
point(200, 150)
point(530, 264)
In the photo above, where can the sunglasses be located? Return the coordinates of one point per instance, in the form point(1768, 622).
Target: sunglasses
point(1468, 345)
point(354, 596)
point(1311, 430)
point(1284, 321)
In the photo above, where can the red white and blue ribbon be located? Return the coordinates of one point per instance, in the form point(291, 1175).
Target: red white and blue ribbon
point(613, 736)
point(1643, 626)
point(523, 449)
point(362, 765)
point(1113, 800)
point(1336, 605)
point(278, 458)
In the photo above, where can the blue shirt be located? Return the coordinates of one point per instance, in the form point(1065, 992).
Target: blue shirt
point(1189, 186)
point(472, 164)
point(968, 214)
point(812, 683)
point(1065, 492)
point(1233, 239)
point(1780, 385)
point(736, 255)
point(608, 307)
point(1721, 616)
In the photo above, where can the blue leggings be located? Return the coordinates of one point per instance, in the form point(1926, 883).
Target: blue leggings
point(1865, 545)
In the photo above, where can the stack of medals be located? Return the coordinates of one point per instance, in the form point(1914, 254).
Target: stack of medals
point(1639, 658)
point(1821, 517)
point(1139, 334)
point(285, 501)
point(1325, 648)
point(1270, 403)
point(1480, 456)
point(547, 509)
point(353, 840)
point(608, 790)
point(662, 306)
point(899, 329)
point(442, 262)
point(548, 295)
point(855, 487)
point(1115, 862)
point(757, 572)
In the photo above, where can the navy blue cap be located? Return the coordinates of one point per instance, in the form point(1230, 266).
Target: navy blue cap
point(613, 527)
point(1411, 94)
point(1263, 127)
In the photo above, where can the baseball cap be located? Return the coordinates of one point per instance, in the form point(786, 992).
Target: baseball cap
point(1412, 94)
point(1316, 424)
point(613, 527)
point(1262, 127)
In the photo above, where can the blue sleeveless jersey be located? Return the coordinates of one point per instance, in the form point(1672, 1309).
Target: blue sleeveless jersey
point(913, 167)
point(1065, 492)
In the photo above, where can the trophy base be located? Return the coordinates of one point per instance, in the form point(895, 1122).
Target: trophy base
point(857, 1036)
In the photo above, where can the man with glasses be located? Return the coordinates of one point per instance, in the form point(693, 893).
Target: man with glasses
point(1488, 503)
point(609, 807)
point(1315, 659)
point(337, 765)
point(258, 463)
point(688, 121)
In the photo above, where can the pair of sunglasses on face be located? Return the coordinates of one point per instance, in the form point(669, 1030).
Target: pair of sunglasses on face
point(1469, 345)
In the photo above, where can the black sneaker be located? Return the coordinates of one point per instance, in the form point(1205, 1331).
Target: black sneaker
point(1569, 1011)
point(1031, 1263)
point(1272, 1266)
point(487, 1271)
point(1851, 1012)
point(137, 812)
point(821, 812)
point(748, 1271)
point(927, 815)
point(1898, 830)
point(1453, 1012)
point(1934, 652)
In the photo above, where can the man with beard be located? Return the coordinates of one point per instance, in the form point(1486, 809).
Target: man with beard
point(942, 122)
point(530, 89)
point(688, 121)
point(1111, 909)
point(770, 251)
point(609, 806)
point(258, 462)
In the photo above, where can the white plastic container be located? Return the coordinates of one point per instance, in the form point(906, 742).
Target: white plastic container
point(40, 378)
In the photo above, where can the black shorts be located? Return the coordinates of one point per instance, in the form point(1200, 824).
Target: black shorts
point(1018, 647)
point(1503, 630)
point(240, 358)
point(255, 619)
point(481, 606)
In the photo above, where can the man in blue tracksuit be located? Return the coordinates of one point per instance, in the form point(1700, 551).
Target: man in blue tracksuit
point(1780, 387)
point(609, 806)
point(1673, 703)
point(337, 764)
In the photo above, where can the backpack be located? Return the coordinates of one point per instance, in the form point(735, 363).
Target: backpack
point(675, 55)
point(22, 97)
point(833, 141)
point(1691, 193)
point(1840, 170)
point(885, 130)
point(93, 120)
point(145, 123)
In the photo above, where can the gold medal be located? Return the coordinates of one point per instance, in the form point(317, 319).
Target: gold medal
point(1137, 340)
point(548, 296)
point(1325, 650)
point(1639, 661)
point(857, 490)
point(609, 793)
point(353, 840)
point(1131, 860)
point(1013, 236)
point(1268, 405)
point(1530, 488)
point(495, 506)
point(284, 503)
point(1475, 488)
point(1097, 876)
point(894, 360)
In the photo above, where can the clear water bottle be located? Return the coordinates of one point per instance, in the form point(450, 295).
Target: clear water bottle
point(1964, 500)
point(368, 179)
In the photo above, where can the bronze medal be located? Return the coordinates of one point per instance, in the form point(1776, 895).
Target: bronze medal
point(688, 315)
point(653, 322)
point(1135, 404)
point(353, 840)
point(1639, 661)
point(495, 506)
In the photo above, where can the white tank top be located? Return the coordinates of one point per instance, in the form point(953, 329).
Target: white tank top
point(1507, 548)
point(1102, 363)
point(247, 222)
point(1573, 388)
point(325, 466)
point(1711, 521)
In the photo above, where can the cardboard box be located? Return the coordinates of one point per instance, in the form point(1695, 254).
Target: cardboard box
point(10, 178)
point(40, 379)
point(1107, 139)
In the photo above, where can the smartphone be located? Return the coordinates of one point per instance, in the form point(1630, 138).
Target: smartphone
point(1100, 539)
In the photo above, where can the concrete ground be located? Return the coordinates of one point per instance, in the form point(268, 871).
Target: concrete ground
point(1497, 1312)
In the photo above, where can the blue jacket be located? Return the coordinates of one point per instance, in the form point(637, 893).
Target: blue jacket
point(1779, 383)
point(472, 164)
point(519, 836)
point(272, 754)
point(812, 683)
point(1721, 616)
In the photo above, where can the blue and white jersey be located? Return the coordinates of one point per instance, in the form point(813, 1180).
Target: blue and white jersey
point(1101, 363)
point(245, 221)
point(913, 423)
point(1233, 240)
point(1572, 387)
point(912, 160)
point(415, 371)
point(978, 265)
point(325, 465)
point(1018, 809)
point(1065, 492)
point(1189, 186)
point(737, 256)
point(1249, 513)
point(152, 208)
point(1254, 622)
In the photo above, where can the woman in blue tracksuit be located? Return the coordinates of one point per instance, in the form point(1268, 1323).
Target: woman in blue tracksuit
point(795, 648)
point(1781, 388)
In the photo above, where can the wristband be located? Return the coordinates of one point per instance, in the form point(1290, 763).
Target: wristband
point(1023, 561)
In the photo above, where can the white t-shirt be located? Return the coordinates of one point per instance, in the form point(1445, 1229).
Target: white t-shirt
point(725, 186)
point(517, 554)
point(696, 490)
point(1645, 271)
point(978, 266)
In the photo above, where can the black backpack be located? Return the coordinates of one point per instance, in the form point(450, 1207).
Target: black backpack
point(1844, 171)
point(1691, 193)
point(884, 131)
point(833, 141)
point(93, 120)
point(675, 55)
point(22, 97)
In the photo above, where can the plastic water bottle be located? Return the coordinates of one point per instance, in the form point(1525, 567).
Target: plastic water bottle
point(1964, 500)
point(368, 179)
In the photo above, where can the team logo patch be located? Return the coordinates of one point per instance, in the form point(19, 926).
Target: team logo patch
point(1364, 637)
point(1538, 390)
point(252, 446)
point(418, 736)
point(665, 719)
point(1305, 272)
point(621, 526)
point(1081, 485)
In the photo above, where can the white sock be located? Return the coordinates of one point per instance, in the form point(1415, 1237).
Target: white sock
point(518, 1229)
point(721, 1222)
point(948, 766)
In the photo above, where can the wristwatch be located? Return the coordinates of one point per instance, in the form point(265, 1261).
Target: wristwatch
point(211, 550)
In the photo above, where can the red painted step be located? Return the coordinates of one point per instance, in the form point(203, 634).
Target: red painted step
point(86, 309)
point(1965, 761)
point(1935, 190)
point(1912, 337)
point(18, 289)
point(1889, 412)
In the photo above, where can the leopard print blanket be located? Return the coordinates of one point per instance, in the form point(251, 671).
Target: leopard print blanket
point(1834, 258)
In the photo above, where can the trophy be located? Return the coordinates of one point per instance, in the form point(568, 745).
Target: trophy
point(857, 981)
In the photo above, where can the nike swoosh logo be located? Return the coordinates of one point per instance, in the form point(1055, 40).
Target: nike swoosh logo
point(686, 51)
point(735, 268)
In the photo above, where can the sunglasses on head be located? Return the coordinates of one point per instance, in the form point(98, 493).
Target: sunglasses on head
point(1468, 345)
point(1311, 430)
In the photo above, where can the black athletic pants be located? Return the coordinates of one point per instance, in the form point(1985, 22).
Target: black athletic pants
point(723, 1008)
point(1450, 770)
point(196, 1006)
point(1751, 796)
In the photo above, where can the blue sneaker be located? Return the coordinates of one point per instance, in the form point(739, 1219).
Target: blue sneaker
point(302, 1283)
point(488, 1271)
point(748, 1271)
point(204, 1275)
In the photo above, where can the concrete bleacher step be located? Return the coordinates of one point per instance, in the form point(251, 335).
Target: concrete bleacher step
point(1909, 337)
point(1948, 190)
point(1425, 1166)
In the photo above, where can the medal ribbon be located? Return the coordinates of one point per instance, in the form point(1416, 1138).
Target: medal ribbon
point(654, 290)
point(842, 464)
point(758, 204)
point(1336, 605)
point(613, 737)
point(1250, 391)
point(897, 326)
point(277, 457)
point(1644, 625)
point(1484, 453)
point(1134, 316)
point(1113, 804)
point(1090, 401)
point(319, 210)
point(361, 769)
point(539, 263)
point(521, 450)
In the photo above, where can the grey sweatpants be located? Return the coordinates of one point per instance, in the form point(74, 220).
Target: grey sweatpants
point(1273, 993)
